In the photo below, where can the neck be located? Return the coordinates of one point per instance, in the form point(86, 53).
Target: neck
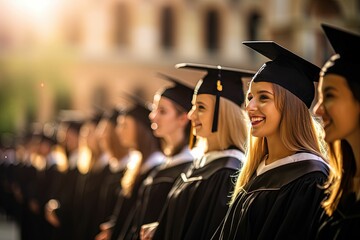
point(277, 150)
point(172, 141)
point(212, 143)
point(354, 141)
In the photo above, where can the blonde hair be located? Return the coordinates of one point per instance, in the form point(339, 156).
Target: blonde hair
point(232, 128)
point(298, 132)
point(340, 180)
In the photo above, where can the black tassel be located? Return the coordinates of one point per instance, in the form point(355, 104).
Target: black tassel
point(217, 103)
point(216, 113)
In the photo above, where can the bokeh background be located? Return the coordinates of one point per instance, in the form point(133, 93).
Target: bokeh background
point(80, 55)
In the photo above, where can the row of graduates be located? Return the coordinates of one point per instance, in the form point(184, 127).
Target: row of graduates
point(288, 183)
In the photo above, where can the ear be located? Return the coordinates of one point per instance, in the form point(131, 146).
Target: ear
point(183, 119)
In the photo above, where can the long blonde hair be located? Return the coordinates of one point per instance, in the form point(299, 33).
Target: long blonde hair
point(298, 132)
point(232, 128)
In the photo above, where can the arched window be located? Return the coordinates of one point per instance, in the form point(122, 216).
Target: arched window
point(253, 24)
point(120, 21)
point(167, 28)
point(212, 30)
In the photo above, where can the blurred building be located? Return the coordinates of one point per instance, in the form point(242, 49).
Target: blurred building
point(64, 54)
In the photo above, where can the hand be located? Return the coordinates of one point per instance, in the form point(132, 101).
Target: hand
point(50, 213)
point(52, 218)
point(147, 231)
point(103, 235)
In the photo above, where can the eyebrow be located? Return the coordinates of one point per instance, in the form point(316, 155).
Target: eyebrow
point(264, 91)
point(200, 102)
point(329, 88)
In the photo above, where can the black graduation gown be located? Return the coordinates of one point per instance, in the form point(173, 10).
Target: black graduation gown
point(345, 222)
point(152, 196)
point(199, 200)
point(65, 197)
point(125, 206)
point(280, 203)
point(109, 192)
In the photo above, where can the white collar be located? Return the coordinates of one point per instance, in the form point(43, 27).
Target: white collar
point(73, 158)
point(182, 157)
point(297, 157)
point(211, 156)
point(118, 165)
point(153, 160)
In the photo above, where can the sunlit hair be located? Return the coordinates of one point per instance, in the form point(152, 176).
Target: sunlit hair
point(89, 148)
point(342, 172)
point(146, 144)
point(232, 128)
point(299, 132)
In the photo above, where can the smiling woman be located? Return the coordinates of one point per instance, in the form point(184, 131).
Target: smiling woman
point(284, 169)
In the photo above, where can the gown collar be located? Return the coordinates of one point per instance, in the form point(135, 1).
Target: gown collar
point(213, 155)
point(297, 157)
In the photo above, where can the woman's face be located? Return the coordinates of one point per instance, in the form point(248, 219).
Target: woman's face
point(103, 134)
point(127, 130)
point(264, 116)
point(165, 119)
point(338, 108)
point(201, 114)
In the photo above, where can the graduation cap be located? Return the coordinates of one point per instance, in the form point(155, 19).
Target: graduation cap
point(72, 118)
point(112, 115)
point(346, 62)
point(286, 69)
point(140, 110)
point(179, 93)
point(220, 81)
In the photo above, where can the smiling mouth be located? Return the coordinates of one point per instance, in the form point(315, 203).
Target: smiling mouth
point(326, 124)
point(256, 120)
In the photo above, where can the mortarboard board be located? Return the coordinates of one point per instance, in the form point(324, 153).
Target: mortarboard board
point(140, 110)
point(112, 115)
point(221, 82)
point(179, 93)
point(346, 62)
point(286, 69)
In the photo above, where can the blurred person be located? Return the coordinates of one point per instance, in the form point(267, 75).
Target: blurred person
point(145, 155)
point(169, 121)
point(278, 193)
point(199, 198)
point(117, 157)
point(339, 107)
point(58, 211)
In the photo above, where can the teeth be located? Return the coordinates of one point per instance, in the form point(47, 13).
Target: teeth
point(256, 119)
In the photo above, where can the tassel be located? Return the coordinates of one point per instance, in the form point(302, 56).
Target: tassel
point(219, 89)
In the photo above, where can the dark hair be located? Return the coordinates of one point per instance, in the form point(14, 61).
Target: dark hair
point(146, 141)
point(180, 110)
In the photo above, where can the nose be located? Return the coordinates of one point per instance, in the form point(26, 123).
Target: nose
point(251, 105)
point(191, 113)
point(152, 115)
point(318, 109)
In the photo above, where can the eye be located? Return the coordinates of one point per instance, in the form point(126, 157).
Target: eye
point(162, 111)
point(263, 97)
point(328, 95)
point(249, 97)
point(201, 107)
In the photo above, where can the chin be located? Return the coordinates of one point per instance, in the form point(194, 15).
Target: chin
point(329, 138)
